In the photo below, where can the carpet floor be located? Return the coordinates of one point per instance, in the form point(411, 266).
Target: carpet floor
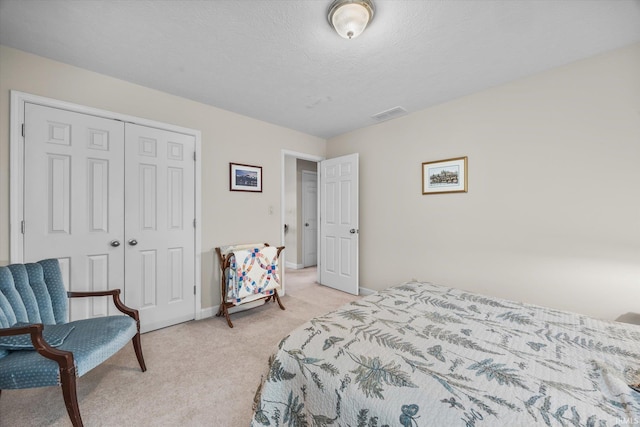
point(199, 373)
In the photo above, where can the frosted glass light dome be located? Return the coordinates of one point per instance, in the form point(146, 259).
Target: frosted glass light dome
point(350, 17)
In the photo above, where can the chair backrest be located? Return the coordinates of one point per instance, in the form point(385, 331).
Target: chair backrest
point(32, 293)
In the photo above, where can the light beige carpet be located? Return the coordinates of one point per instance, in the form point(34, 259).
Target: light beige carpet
point(200, 373)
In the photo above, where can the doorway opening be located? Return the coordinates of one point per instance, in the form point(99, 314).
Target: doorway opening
point(299, 224)
point(336, 205)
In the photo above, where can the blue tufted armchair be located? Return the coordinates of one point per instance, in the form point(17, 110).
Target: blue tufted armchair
point(38, 347)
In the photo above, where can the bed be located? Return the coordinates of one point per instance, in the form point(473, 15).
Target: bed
point(420, 354)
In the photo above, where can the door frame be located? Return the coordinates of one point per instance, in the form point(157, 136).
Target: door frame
point(304, 156)
point(16, 167)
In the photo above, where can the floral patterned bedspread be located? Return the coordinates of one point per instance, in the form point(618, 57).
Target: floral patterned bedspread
point(426, 355)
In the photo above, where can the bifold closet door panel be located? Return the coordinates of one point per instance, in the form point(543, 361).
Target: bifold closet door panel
point(115, 203)
point(74, 201)
point(159, 225)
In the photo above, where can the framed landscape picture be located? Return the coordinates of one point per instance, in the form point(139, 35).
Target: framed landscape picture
point(245, 177)
point(445, 176)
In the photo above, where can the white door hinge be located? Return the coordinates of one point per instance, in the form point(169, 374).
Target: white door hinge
point(194, 289)
point(22, 226)
point(23, 130)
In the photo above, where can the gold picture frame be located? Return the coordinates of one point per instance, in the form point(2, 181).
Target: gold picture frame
point(445, 176)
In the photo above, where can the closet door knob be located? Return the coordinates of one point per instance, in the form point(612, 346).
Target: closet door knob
point(115, 243)
point(133, 242)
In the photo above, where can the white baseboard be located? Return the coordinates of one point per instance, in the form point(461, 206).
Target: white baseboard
point(209, 311)
point(246, 306)
point(366, 291)
point(293, 265)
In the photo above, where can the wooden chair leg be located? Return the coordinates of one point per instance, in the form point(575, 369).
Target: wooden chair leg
point(223, 311)
point(68, 383)
point(278, 299)
point(226, 315)
point(137, 346)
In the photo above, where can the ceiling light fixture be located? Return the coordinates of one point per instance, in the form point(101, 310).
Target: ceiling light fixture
point(350, 17)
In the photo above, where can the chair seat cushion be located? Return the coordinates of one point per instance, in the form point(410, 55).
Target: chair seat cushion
point(92, 341)
point(54, 335)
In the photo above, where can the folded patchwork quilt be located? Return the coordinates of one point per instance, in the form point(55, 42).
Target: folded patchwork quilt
point(253, 271)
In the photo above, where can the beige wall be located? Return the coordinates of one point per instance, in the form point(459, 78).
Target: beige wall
point(228, 217)
point(552, 215)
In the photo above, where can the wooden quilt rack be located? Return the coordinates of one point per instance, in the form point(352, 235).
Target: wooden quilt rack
point(225, 263)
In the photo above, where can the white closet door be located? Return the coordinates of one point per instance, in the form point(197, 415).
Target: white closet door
point(159, 225)
point(73, 204)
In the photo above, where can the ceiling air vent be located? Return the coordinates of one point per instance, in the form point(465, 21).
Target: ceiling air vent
point(389, 114)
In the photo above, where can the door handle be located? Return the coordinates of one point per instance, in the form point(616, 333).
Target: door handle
point(352, 231)
point(115, 243)
point(306, 224)
point(133, 242)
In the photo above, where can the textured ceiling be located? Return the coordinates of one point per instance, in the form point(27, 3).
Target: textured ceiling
point(281, 62)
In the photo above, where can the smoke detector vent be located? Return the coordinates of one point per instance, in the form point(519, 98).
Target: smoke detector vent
point(389, 114)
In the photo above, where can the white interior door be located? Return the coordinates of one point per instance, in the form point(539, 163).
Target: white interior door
point(73, 204)
point(309, 218)
point(339, 223)
point(159, 223)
